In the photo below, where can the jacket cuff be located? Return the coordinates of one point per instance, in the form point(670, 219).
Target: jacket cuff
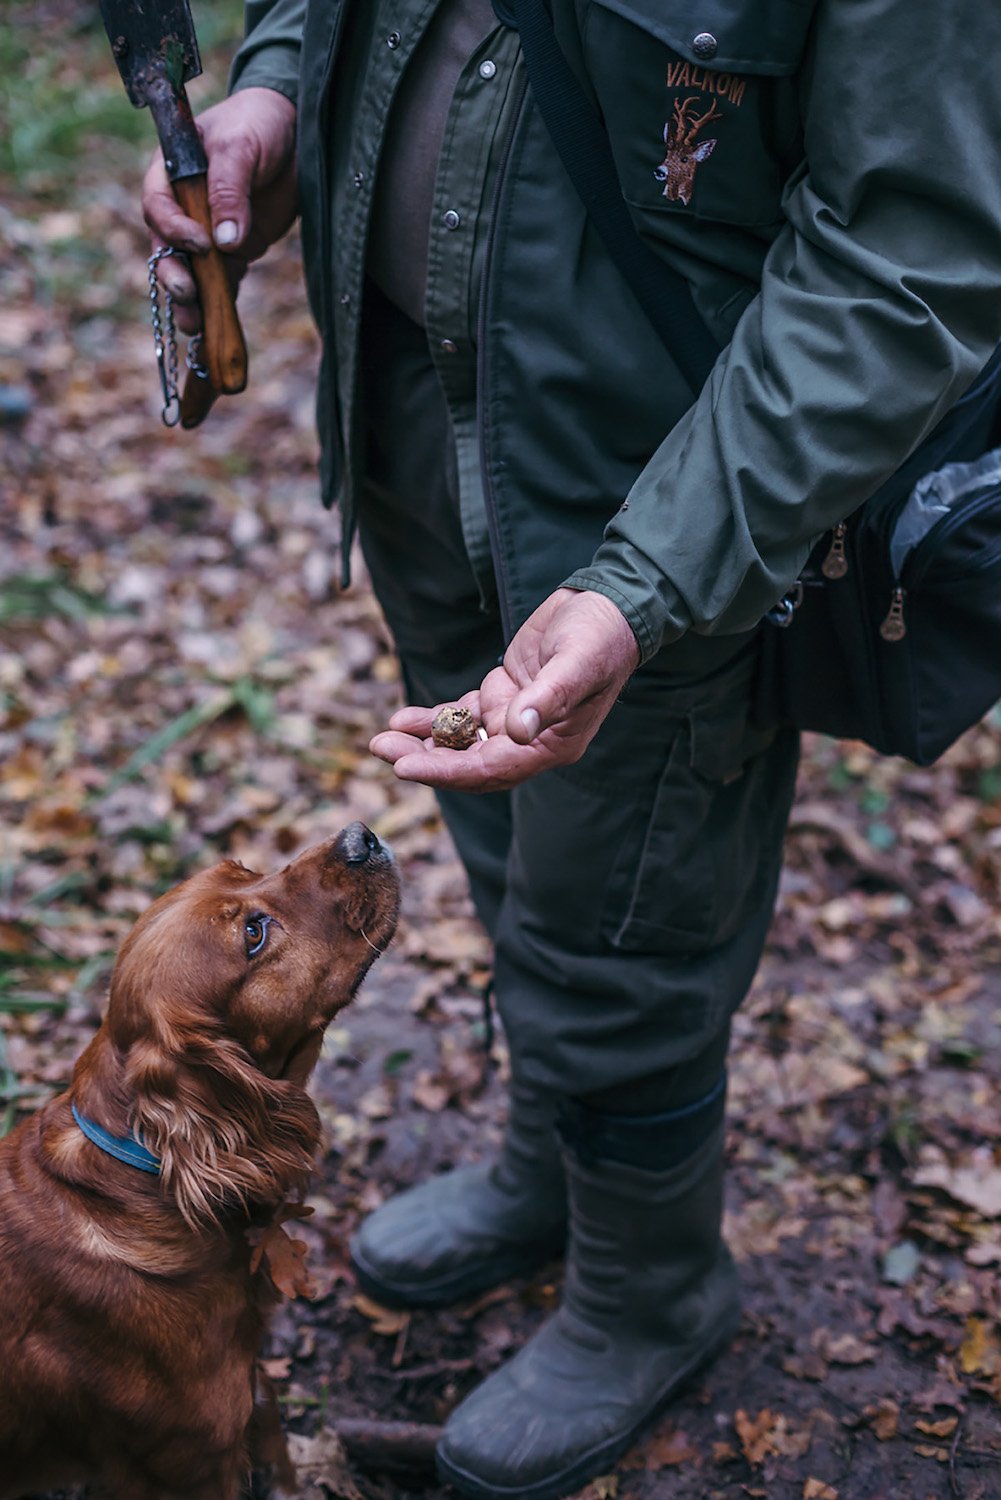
point(639, 603)
point(275, 66)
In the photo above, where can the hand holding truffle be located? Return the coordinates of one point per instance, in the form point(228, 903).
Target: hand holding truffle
point(541, 708)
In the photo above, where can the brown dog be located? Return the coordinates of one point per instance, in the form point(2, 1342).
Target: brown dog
point(130, 1318)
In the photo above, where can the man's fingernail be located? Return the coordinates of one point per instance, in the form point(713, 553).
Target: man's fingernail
point(227, 233)
point(531, 721)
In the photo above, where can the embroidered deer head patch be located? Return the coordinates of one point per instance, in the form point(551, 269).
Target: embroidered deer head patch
point(682, 156)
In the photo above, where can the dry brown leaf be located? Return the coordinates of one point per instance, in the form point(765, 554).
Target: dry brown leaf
point(977, 1184)
point(724, 1453)
point(925, 1450)
point(276, 1369)
point(663, 1450)
point(429, 1094)
point(842, 1348)
point(883, 1418)
point(376, 1103)
point(15, 939)
point(284, 1257)
point(980, 1351)
point(816, 1489)
point(945, 1428)
point(322, 1467)
point(286, 1262)
point(808, 1365)
point(604, 1488)
point(385, 1320)
point(758, 1434)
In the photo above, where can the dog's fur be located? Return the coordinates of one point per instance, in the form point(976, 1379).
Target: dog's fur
point(130, 1319)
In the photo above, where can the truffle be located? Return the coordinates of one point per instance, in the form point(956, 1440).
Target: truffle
point(455, 728)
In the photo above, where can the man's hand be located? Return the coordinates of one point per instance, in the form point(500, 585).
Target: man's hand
point(249, 140)
point(561, 674)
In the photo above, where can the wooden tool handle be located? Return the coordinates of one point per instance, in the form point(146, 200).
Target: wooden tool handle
point(224, 352)
point(197, 400)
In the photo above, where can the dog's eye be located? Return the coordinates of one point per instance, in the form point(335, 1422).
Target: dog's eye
point(255, 933)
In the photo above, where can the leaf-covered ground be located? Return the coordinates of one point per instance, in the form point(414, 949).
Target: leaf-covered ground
point(180, 681)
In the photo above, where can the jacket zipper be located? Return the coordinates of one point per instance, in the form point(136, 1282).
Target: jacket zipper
point(489, 501)
point(835, 564)
point(921, 558)
point(916, 566)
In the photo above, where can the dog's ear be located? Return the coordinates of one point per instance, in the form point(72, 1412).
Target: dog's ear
point(226, 1135)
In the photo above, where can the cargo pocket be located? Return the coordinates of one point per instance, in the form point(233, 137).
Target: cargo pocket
point(713, 842)
point(700, 102)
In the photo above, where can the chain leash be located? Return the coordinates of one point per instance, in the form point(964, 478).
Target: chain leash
point(161, 305)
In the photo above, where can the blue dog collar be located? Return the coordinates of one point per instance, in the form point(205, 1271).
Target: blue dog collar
point(122, 1148)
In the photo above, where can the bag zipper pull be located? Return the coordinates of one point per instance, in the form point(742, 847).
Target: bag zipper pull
point(894, 627)
point(835, 564)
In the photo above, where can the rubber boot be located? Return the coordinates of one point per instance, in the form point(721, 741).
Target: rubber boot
point(471, 1228)
point(650, 1295)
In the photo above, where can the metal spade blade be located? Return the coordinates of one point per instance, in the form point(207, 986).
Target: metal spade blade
point(153, 42)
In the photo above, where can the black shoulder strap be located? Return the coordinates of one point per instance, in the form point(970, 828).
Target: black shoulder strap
point(585, 150)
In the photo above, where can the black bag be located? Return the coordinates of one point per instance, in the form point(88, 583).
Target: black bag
point(897, 645)
point(892, 634)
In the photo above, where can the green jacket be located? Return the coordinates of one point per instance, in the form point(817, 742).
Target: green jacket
point(833, 194)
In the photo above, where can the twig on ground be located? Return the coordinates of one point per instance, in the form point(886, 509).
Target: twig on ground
point(390, 1447)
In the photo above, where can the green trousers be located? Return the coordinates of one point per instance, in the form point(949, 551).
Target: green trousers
point(629, 895)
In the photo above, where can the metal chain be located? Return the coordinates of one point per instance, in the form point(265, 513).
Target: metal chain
point(164, 339)
point(193, 358)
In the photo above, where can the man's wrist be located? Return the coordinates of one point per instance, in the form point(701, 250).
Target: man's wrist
point(275, 67)
point(586, 582)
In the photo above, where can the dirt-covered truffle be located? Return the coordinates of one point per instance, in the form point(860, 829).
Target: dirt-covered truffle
point(454, 728)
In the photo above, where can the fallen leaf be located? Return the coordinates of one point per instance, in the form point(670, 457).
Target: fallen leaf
point(816, 1489)
point(884, 1418)
point(978, 1184)
point(724, 1453)
point(285, 1257)
point(980, 1351)
point(286, 1262)
point(806, 1365)
point(664, 1450)
point(984, 1253)
point(322, 1467)
point(429, 1094)
point(15, 939)
point(385, 1320)
point(842, 1348)
point(945, 1390)
point(376, 1103)
point(944, 1428)
point(770, 1433)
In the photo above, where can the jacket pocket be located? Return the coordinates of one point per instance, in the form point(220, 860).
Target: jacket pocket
point(711, 849)
point(700, 102)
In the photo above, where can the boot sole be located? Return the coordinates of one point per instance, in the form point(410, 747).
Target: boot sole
point(456, 1286)
point(594, 1462)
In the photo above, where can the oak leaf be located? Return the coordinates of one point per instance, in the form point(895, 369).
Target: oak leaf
point(284, 1257)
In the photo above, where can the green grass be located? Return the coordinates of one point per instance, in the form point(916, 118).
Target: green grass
point(30, 596)
point(63, 108)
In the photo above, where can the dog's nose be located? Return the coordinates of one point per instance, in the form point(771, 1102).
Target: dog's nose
point(356, 844)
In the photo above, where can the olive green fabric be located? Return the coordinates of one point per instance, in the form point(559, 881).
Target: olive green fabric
point(842, 232)
point(628, 896)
